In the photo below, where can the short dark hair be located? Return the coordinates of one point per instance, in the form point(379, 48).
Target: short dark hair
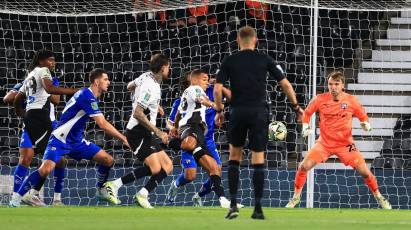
point(337, 76)
point(157, 61)
point(197, 72)
point(96, 74)
point(39, 56)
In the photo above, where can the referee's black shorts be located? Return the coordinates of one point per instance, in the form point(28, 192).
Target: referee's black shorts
point(142, 142)
point(252, 121)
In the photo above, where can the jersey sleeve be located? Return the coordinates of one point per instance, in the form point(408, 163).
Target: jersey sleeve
point(195, 93)
point(44, 73)
point(275, 70)
point(311, 108)
point(17, 87)
point(146, 96)
point(359, 110)
point(222, 75)
point(90, 105)
point(174, 110)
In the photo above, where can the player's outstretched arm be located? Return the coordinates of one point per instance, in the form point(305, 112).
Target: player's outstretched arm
point(109, 129)
point(290, 93)
point(142, 119)
point(51, 89)
point(9, 98)
point(227, 93)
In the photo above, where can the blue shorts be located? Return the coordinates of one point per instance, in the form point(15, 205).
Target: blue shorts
point(83, 150)
point(25, 141)
point(188, 161)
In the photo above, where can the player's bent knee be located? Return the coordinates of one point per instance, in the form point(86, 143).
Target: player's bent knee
point(46, 168)
point(190, 174)
point(189, 143)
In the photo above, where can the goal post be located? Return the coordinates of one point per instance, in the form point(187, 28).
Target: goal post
point(369, 41)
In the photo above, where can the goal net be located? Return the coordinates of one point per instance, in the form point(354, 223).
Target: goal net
point(369, 40)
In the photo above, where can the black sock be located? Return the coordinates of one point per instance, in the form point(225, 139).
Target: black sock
point(233, 177)
point(136, 174)
point(216, 185)
point(258, 181)
point(38, 186)
point(155, 180)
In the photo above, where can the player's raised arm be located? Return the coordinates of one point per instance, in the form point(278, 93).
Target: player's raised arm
point(51, 89)
point(9, 98)
point(131, 86)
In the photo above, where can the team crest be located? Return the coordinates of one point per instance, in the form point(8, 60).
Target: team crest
point(344, 106)
point(94, 105)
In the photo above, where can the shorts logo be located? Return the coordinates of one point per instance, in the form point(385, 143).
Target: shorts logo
point(94, 105)
point(344, 106)
point(188, 161)
point(53, 148)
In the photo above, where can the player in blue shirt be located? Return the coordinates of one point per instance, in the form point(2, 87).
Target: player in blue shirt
point(187, 160)
point(67, 138)
point(27, 153)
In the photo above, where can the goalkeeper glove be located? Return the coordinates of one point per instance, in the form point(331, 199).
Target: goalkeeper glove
point(366, 126)
point(306, 130)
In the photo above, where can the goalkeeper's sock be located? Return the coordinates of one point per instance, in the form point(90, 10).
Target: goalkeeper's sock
point(58, 180)
point(258, 181)
point(134, 175)
point(300, 178)
point(233, 177)
point(102, 175)
point(181, 180)
point(371, 183)
point(155, 180)
point(206, 188)
point(216, 185)
point(19, 174)
point(33, 179)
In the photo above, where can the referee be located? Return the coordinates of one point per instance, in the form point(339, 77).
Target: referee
point(247, 71)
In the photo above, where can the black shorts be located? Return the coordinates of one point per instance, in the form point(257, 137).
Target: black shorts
point(37, 123)
point(252, 121)
point(142, 142)
point(195, 130)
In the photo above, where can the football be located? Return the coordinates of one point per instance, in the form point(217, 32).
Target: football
point(277, 131)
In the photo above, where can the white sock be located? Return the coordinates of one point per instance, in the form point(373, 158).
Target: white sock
point(57, 196)
point(118, 182)
point(143, 192)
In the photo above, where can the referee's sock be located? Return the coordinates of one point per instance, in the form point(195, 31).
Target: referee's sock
point(258, 181)
point(216, 185)
point(233, 177)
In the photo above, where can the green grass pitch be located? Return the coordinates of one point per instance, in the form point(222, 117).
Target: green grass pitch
point(123, 218)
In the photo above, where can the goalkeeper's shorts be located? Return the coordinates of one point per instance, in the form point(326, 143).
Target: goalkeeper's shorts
point(349, 155)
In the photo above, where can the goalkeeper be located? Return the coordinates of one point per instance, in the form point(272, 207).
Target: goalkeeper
point(336, 109)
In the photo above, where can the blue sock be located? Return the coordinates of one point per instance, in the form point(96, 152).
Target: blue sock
point(206, 188)
point(181, 180)
point(19, 174)
point(58, 180)
point(102, 175)
point(33, 179)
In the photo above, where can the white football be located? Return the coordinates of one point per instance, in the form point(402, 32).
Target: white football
point(277, 131)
